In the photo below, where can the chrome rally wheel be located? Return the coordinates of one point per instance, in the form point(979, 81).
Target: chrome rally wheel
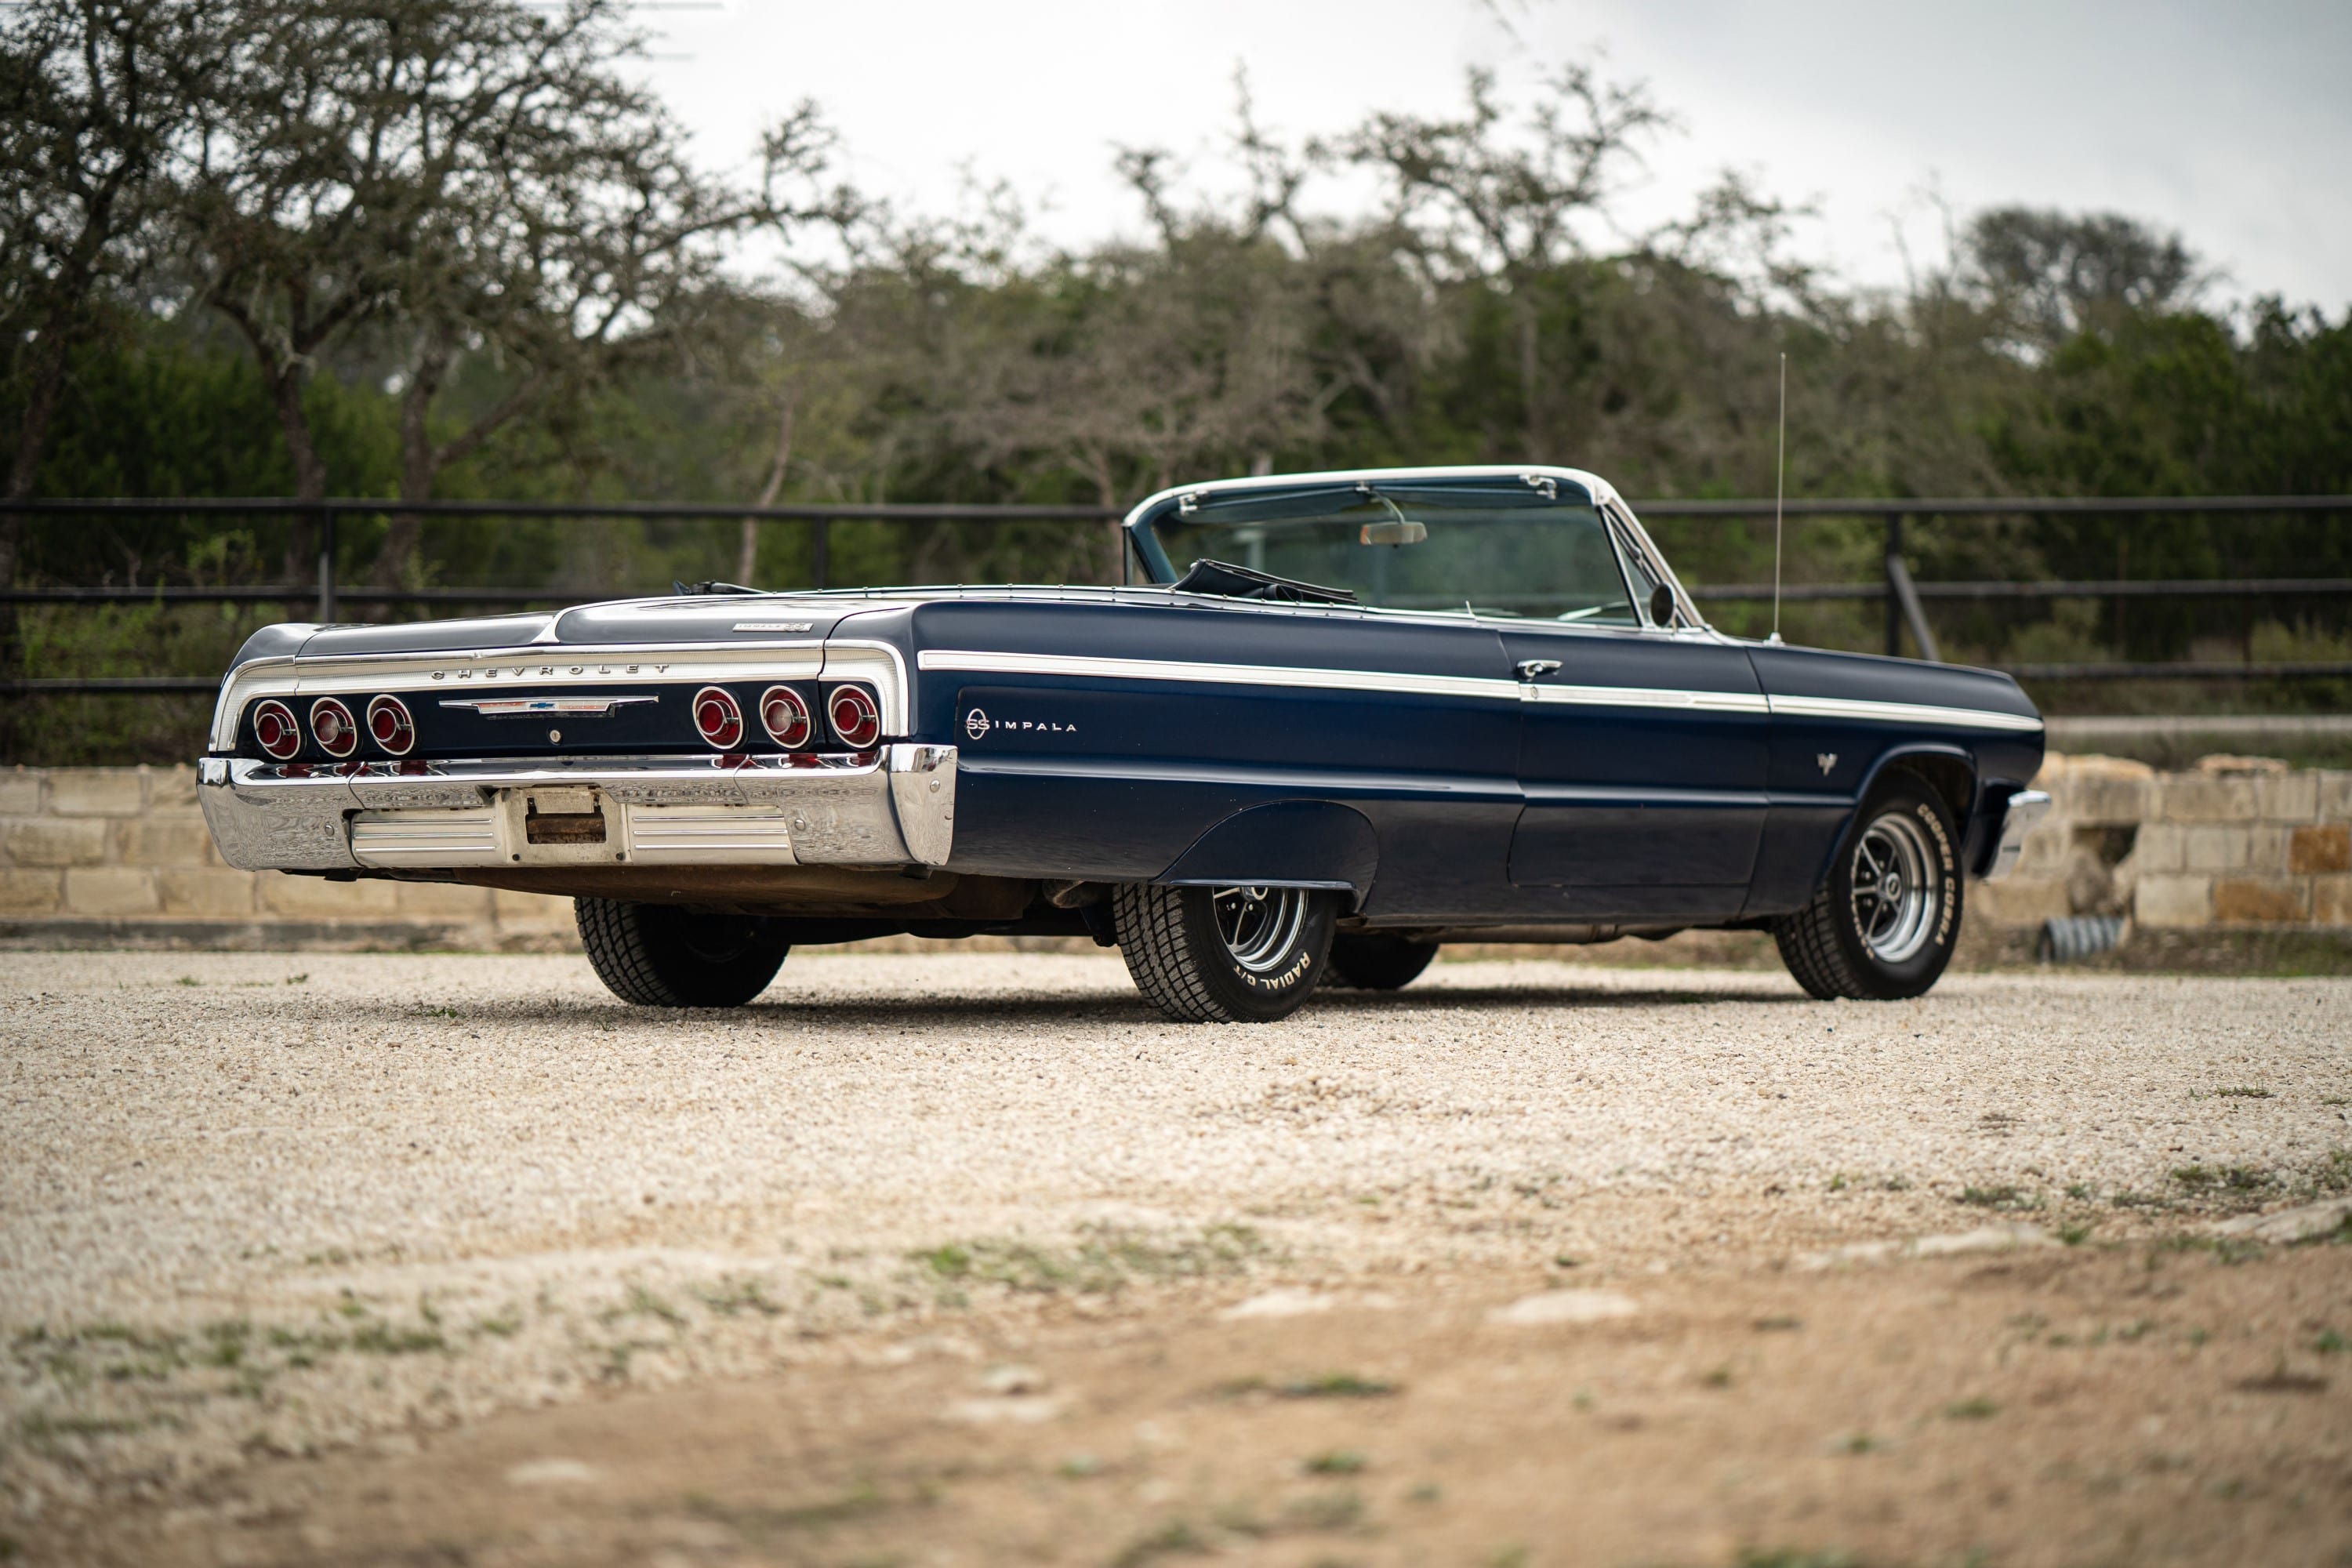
point(1895, 889)
point(1883, 924)
point(1259, 926)
point(1224, 955)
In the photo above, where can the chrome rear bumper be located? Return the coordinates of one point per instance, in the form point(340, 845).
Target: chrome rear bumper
point(2025, 808)
point(891, 808)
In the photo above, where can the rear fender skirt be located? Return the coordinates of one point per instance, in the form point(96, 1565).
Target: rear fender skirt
point(1289, 844)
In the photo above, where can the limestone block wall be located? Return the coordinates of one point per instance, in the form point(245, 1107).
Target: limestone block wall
point(2236, 842)
point(119, 857)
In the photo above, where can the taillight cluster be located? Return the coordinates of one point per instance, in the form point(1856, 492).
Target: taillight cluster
point(279, 734)
point(851, 715)
point(850, 712)
point(855, 718)
point(784, 714)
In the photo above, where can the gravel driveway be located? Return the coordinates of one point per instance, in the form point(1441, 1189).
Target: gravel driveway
point(256, 1203)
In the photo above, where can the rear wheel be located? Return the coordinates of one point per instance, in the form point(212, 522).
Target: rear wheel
point(658, 956)
point(1884, 924)
point(1377, 962)
point(1224, 955)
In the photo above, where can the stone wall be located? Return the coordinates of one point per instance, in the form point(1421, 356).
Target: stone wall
point(120, 857)
point(2235, 843)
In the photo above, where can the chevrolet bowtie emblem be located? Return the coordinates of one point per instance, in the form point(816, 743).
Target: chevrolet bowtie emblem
point(532, 707)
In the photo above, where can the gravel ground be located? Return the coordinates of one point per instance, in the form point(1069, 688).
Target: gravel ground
point(260, 1204)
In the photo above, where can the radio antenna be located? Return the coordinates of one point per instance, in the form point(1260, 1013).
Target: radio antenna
point(1779, 495)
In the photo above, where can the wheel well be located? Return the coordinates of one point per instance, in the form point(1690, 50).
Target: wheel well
point(1950, 777)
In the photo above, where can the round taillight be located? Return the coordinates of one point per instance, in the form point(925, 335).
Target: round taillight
point(389, 723)
point(276, 733)
point(785, 716)
point(855, 718)
point(332, 727)
point(717, 718)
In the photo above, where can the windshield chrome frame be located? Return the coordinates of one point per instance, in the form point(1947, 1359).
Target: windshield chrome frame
point(1144, 547)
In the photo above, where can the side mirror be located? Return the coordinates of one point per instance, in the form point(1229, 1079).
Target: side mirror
point(1662, 605)
point(1399, 532)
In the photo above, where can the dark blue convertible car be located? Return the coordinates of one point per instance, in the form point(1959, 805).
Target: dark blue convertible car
point(1339, 719)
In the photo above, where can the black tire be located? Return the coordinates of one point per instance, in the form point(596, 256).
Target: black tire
point(1866, 947)
point(1377, 963)
point(1199, 969)
point(658, 956)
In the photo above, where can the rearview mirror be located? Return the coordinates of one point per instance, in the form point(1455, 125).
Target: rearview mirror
point(1662, 605)
point(1399, 532)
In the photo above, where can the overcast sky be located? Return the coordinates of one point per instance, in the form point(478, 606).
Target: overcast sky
point(2231, 122)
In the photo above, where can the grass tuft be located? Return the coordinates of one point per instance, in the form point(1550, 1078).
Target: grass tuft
point(1335, 1462)
point(1177, 1536)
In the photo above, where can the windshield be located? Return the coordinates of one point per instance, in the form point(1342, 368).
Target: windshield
point(1488, 554)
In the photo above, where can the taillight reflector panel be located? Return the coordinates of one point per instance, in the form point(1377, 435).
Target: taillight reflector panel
point(717, 717)
point(853, 717)
point(333, 728)
point(276, 733)
point(785, 715)
point(388, 722)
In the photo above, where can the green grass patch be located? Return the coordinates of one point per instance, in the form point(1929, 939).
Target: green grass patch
point(1335, 1462)
point(1104, 1259)
point(2000, 1197)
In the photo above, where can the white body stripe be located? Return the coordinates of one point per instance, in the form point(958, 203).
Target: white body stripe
point(1649, 697)
point(969, 661)
point(1503, 689)
point(1901, 712)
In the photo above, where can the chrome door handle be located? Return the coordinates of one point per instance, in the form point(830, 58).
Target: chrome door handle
point(1534, 669)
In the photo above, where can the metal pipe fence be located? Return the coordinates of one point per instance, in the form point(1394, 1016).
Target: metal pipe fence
point(1904, 596)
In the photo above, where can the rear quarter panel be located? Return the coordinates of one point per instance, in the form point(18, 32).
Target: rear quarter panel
point(1069, 773)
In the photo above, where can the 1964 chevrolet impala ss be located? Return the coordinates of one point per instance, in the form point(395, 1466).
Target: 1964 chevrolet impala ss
point(1372, 712)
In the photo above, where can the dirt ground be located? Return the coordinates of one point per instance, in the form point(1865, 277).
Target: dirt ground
point(972, 1260)
point(2133, 1406)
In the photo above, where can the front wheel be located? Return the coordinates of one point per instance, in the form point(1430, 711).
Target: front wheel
point(1224, 955)
point(658, 956)
point(1882, 926)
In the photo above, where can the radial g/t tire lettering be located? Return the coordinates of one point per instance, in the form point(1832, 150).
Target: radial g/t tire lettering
point(658, 955)
point(1885, 921)
point(1190, 966)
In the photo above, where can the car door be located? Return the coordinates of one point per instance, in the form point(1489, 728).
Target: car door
point(1644, 755)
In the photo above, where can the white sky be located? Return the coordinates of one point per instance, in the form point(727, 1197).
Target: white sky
point(2232, 123)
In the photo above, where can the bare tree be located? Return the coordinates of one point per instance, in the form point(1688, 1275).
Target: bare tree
point(1489, 202)
point(2048, 275)
point(460, 177)
point(91, 91)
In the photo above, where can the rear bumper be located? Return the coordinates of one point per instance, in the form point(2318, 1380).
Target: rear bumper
point(2025, 808)
point(895, 807)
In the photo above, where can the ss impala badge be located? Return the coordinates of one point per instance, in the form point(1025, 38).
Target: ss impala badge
point(1828, 761)
point(975, 723)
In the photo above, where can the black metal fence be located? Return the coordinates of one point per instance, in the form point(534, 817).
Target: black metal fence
point(1904, 596)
